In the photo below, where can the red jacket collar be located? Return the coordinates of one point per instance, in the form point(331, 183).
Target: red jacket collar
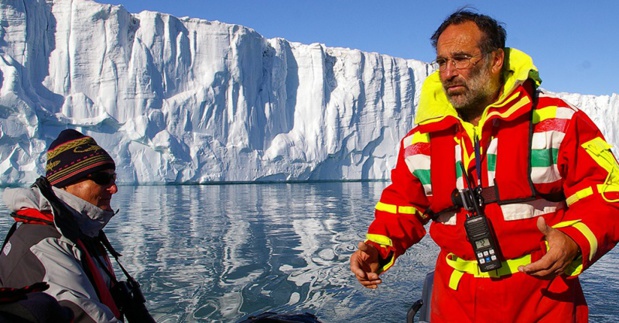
point(33, 216)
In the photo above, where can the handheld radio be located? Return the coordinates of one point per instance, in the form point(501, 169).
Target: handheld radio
point(478, 228)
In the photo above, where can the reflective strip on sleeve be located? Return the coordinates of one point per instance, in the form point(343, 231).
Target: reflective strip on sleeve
point(579, 196)
point(394, 209)
point(593, 242)
point(389, 208)
point(586, 192)
point(407, 210)
point(382, 240)
point(575, 267)
point(586, 232)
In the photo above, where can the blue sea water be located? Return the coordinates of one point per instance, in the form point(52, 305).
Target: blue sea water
point(220, 253)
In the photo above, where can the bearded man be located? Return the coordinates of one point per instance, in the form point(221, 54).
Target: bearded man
point(521, 188)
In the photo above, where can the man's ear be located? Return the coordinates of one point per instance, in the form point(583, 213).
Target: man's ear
point(498, 59)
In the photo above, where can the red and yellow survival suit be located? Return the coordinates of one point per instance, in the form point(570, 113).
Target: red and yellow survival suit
point(541, 157)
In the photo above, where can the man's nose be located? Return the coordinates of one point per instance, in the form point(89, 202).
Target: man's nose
point(449, 70)
point(113, 189)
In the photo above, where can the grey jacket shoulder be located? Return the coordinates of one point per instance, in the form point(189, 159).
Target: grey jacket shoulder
point(38, 252)
point(18, 265)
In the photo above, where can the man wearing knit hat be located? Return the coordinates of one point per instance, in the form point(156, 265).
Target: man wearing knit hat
point(73, 156)
point(58, 235)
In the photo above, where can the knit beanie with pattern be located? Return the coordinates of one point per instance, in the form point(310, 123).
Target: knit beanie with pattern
point(72, 156)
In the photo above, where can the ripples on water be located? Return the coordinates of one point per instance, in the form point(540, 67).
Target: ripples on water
point(219, 253)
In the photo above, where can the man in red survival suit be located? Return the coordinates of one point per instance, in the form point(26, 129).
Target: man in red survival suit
point(521, 187)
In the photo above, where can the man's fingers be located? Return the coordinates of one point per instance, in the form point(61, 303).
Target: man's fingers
point(359, 273)
point(546, 267)
point(543, 266)
point(370, 284)
point(357, 262)
point(535, 268)
point(363, 264)
point(370, 277)
point(539, 272)
point(356, 265)
point(370, 281)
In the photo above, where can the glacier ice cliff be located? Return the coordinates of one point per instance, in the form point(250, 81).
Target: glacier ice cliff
point(182, 100)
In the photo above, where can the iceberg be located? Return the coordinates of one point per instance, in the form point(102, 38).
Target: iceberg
point(185, 100)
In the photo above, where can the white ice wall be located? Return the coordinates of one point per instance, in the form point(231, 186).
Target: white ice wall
point(188, 100)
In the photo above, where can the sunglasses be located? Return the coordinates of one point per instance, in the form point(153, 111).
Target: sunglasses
point(103, 178)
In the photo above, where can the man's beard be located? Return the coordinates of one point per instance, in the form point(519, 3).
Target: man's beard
point(478, 90)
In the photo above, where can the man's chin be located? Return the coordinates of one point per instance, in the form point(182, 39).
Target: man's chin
point(456, 101)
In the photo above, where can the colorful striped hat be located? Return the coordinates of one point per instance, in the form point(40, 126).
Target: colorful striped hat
point(72, 156)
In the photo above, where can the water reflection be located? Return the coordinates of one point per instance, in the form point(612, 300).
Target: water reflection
point(219, 253)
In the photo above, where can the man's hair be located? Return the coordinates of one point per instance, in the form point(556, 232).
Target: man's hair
point(494, 33)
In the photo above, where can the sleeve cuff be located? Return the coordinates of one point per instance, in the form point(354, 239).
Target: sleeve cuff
point(386, 251)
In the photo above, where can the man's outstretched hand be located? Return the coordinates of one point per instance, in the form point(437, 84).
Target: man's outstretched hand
point(364, 264)
point(561, 252)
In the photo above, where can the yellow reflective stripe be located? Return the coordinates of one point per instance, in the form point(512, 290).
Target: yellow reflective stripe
point(434, 119)
point(579, 195)
point(388, 265)
point(585, 192)
point(565, 224)
point(546, 113)
point(454, 279)
point(407, 210)
point(416, 138)
point(419, 137)
point(389, 208)
point(468, 156)
point(597, 146)
point(462, 266)
point(575, 267)
point(522, 102)
point(599, 150)
point(605, 188)
point(382, 240)
point(510, 266)
point(394, 209)
point(593, 242)
point(584, 229)
point(503, 103)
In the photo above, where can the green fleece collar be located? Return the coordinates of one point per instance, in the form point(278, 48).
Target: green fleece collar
point(434, 105)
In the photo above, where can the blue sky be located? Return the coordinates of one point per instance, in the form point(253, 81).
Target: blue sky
point(574, 44)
